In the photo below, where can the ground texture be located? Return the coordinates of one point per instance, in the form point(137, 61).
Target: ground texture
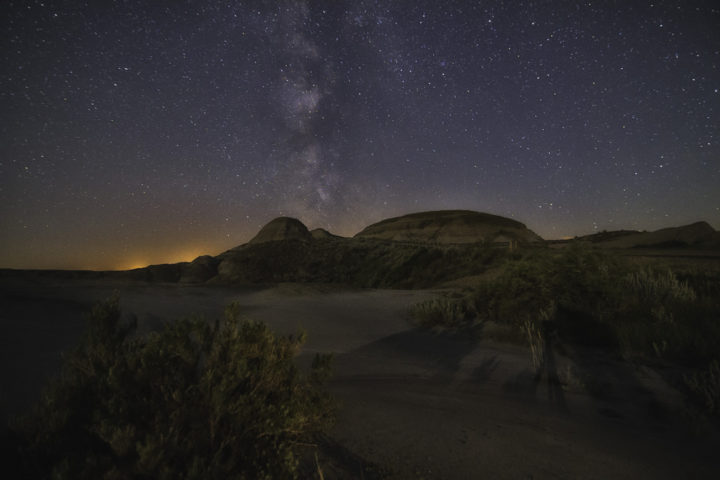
point(413, 403)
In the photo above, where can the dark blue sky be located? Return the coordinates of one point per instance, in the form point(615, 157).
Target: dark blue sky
point(138, 132)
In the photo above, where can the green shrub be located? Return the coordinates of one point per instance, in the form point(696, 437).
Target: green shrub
point(196, 400)
point(662, 316)
point(441, 312)
point(533, 328)
point(653, 287)
point(523, 288)
point(704, 388)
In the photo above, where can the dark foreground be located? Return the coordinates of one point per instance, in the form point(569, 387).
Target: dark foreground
point(414, 404)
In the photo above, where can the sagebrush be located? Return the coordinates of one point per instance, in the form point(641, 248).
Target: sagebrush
point(196, 400)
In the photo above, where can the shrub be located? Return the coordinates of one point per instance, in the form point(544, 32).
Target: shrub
point(662, 316)
point(441, 312)
point(197, 399)
point(704, 388)
point(524, 288)
point(653, 287)
point(536, 341)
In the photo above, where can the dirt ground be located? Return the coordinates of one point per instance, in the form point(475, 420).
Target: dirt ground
point(414, 404)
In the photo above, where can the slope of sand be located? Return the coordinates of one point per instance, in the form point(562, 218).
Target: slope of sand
point(417, 404)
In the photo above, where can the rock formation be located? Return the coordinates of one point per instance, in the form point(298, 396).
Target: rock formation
point(282, 228)
point(321, 233)
point(450, 226)
point(699, 234)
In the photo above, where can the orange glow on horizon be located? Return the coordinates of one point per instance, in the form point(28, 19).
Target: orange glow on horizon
point(187, 254)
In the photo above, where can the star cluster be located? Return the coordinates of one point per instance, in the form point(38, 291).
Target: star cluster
point(140, 132)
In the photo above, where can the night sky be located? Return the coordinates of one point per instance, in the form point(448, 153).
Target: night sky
point(139, 132)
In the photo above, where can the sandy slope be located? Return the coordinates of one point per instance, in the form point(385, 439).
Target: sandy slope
point(418, 404)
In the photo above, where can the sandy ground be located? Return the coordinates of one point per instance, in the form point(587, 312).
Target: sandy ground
point(417, 404)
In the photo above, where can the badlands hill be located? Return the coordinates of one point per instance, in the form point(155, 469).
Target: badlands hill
point(699, 234)
point(450, 226)
point(282, 228)
point(421, 249)
point(322, 234)
point(416, 250)
point(412, 251)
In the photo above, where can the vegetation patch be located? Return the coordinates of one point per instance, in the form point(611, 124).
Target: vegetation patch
point(442, 312)
point(593, 298)
point(704, 387)
point(198, 399)
point(356, 262)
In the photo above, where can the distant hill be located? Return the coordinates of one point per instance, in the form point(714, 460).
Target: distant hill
point(699, 234)
point(414, 250)
point(282, 228)
point(450, 227)
point(606, 236)
point(321, 233)
point(201, 269)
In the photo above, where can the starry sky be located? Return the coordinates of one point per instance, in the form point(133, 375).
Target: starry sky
point(136, 132)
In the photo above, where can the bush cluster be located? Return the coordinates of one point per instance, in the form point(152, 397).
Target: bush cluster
point(598, 300)
point(444, 312)
point(601, 301)
point(196, 400)
point(590, 297)
point(704, 387)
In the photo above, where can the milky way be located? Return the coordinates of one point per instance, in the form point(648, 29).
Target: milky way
point(145, 132)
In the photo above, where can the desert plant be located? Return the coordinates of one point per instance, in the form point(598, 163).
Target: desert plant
point(704, 387)
point(662, 316)
point(441, 312)
point(658, 287)
point(535, 340)
point(534, 329)
point(197, 399)
point(524, 286)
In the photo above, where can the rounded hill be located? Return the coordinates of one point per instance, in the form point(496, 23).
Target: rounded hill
point(450, 226)
point(282, 228)
point(322, 234)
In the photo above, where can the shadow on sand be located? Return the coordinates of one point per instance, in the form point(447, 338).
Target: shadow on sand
point(440, 353)
point(530, 382)
point(611, 382)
